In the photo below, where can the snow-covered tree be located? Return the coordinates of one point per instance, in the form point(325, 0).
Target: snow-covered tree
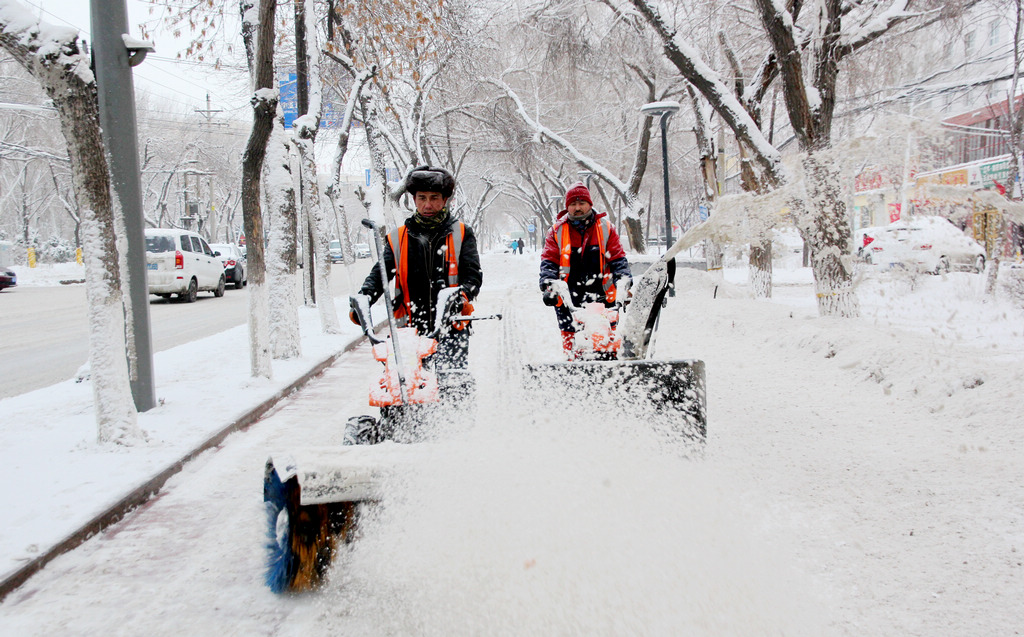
point(304, 135)
point(282, 249)
point(52, 55)
point(808, 42)
point(264, 102)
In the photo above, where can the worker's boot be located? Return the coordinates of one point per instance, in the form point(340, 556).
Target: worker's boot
point(569, 345)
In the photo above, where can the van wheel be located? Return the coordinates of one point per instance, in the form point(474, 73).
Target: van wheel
point(979, 264)
point(943, 266)
point(189, 295)
point(219, 292)
point(240, 281)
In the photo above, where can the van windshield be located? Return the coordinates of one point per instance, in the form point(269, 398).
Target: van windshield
point(159, 244)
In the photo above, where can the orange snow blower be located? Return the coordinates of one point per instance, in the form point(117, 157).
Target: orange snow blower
point(313, 496)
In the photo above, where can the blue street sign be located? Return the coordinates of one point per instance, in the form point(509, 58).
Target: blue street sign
point(531, 228)
point(703, 212)
point(287, 84)
point(393, 175)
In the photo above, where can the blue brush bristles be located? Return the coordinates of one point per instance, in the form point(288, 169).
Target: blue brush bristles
point(279, 558)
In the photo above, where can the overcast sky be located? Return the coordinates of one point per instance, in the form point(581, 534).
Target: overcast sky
point(175, 85)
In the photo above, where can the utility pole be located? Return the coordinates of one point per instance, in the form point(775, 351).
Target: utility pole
point(114, 52)
point(210, 207)
point(208, 112)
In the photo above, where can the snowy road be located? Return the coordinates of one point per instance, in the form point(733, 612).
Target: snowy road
point(45, 334)
point(861, 479)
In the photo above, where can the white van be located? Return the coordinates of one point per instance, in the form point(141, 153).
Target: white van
point(181, 262)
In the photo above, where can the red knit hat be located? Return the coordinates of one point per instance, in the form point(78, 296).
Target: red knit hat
point(578, 191)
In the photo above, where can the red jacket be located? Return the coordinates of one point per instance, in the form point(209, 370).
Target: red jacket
point(585, 261)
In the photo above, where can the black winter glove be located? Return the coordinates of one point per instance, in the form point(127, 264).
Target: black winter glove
point(550, 296)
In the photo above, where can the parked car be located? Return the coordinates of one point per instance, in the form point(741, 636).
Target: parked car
point(8, 278)
point(234, 263)
point(362, 250)
point(181, 262)
point(930, 244)
point(335, 250)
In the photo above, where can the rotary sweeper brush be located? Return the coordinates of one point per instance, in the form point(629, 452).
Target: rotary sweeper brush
point(614, 373)
point(313, 496)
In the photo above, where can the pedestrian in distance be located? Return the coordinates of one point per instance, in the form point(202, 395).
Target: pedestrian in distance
point(519, 245)
point(583, 249)
point(433, 251)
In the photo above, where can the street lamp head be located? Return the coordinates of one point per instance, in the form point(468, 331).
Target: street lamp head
point(667, 107)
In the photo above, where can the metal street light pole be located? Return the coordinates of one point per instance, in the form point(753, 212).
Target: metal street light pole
point(665, 110)
point(114, 53)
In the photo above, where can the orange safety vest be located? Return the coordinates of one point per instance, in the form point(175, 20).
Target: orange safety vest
point(565, 251)
point(399, 242)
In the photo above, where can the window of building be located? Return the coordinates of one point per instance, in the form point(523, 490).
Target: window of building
point(993, 33)
point(969, 43)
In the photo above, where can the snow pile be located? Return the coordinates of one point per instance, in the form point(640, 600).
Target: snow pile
point(50, 274)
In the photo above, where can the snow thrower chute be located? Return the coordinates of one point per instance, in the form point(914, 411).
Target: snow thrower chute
point(313, 496)
point(614, 373)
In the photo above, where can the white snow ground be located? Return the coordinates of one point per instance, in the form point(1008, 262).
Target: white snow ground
point(863, 477)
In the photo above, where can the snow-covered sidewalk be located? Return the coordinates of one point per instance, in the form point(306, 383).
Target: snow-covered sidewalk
point(59, 478)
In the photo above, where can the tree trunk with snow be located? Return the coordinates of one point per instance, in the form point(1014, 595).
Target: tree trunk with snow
point(304, 138)
point(709, 174)
point(282, 256)
point(825, 224)
point(53, 57)
point(264, 102)
point(377, 200)
point(320, 231)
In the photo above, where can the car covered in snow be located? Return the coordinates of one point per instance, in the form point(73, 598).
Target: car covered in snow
point(925, 243)
point(181, 262)
point(362, 250)
point(234, 263)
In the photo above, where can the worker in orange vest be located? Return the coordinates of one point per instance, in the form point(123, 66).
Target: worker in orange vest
point(434, 251)
point(583, 249)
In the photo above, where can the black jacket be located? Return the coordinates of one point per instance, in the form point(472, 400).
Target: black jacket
point(426, 270)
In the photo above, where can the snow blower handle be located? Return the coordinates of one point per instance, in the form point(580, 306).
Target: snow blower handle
point(622, 289)
point(561, 289)
point(449, 301)
point(448, 305)
point(378, 242)
point(359, 304)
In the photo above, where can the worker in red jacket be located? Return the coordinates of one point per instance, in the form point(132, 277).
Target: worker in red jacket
point(583, 249)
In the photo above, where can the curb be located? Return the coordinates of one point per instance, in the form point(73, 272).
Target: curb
point(151, 487)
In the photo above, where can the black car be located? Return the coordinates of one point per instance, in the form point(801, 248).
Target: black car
point(234, 263)
point(8, 279)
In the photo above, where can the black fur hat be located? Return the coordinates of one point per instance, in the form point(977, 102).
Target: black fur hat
point(428, 179)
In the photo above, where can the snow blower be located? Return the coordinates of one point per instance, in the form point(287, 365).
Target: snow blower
point(313, 496)
point(614, 373)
